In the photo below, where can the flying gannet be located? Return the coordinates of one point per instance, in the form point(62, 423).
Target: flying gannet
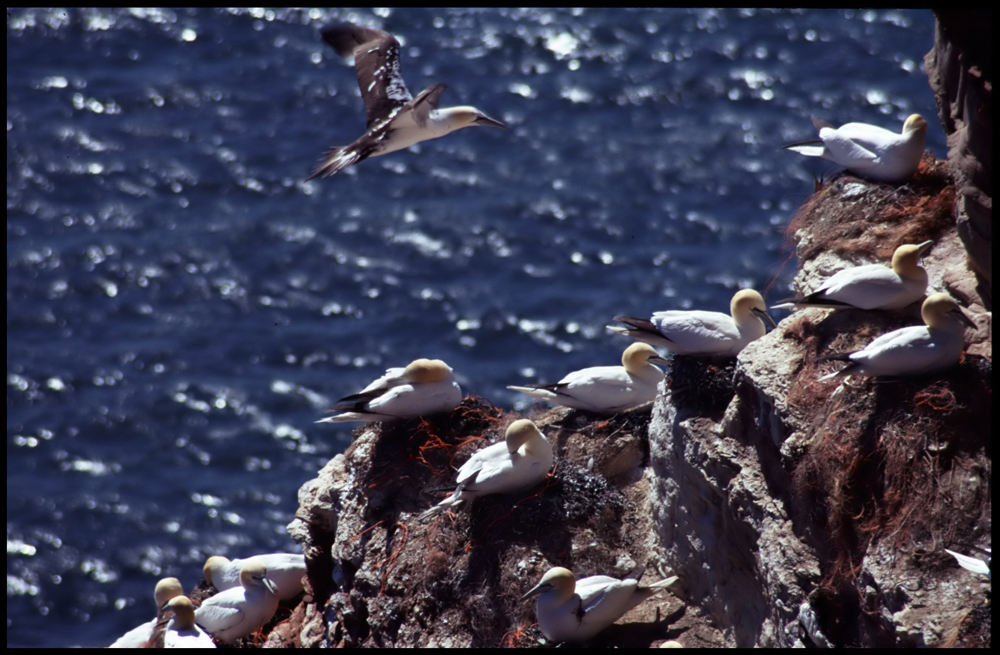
point(520, 461)
point(912, 350)
point(396, 120)
point(872, 286)
point(239, 611)
point(606, 389)
point(165, 589)
point(181, 631)
point(703, 333)
point(285, 570)
point(574, 610)
point(868, 150)
point(424, 387)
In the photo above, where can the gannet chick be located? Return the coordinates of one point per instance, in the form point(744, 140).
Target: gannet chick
point(239, 611)
point(396, 120)
point(872, 286)
point(912, 350)
point(165, 589)
point(973, 564)
point(574, 610)
point(181, 630)
point(285, 570)
point(606, 389)
point(520, 461)
point(703, 333)
point(424, 387)
point(868, 150)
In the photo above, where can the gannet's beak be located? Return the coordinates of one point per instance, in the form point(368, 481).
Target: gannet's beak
point(485, 120)
point(270, 586)
point(537, 590)
point(963, 317)
point(764, 316)
point(663, 361)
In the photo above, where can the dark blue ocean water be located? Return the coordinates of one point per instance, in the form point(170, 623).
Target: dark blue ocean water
point(181, 306)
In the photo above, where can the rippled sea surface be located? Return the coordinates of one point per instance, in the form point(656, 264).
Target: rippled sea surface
point(182, 306)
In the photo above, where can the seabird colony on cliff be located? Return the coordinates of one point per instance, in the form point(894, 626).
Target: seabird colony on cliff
point(570, 609)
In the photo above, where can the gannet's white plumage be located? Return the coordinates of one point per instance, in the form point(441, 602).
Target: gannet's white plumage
point(165, 589)
point(574, 610)
point(239, 611)
point(396, 120)
point(873, 286)
point(912, 350)
point(285, 570)
point(606, 388)
point(520, 461)
point(703, 333)
point(181, 631)
point(868, 150)
point(424, 387)
point(973, 564)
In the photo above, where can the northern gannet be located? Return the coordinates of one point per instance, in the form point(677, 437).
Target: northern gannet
point(165, 589)
point(606, 388)
point(181, 631)
point(868, 150)
point(521, 460)
point(285, 570)
point(912, 350)
point(237, 612)
point(703, 333)
point(396, 120)
point(573, 610)
point(873, 286)
point(425, 386)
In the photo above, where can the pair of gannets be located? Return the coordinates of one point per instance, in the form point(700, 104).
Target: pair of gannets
point(912, 350)
point(396, 120)
point(573, 610)
point(606, 388)
point(868, 150)
point(242, 610)
point(703, 333)
point(872, 286)
point(165, 590)
point(285, 570)
point(424, 387)
point(520, 461)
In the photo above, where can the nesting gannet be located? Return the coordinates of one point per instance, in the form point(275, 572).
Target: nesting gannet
point(974, 564)
point(872, 286)
point(700, 332)
point(521, 460)
point(239, 611)
point(181, 630)
point(165, 589)
point(425, 386)
point(396, 120)
point(573, 610)
point(285, 570)
point(868, 150)
point(606, 388)
point(912, 350)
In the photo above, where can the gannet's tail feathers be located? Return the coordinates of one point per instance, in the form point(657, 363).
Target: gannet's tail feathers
point(336, 160)
point(807, 148)
point(448, 503)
